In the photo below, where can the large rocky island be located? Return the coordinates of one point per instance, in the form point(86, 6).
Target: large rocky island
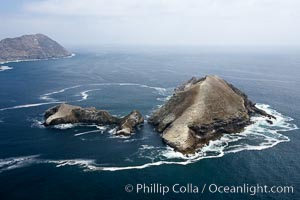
point(199, 111)
point(65, 113)
point(202, 110)
point(30, 47)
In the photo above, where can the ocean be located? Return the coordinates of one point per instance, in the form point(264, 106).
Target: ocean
point(89, 162)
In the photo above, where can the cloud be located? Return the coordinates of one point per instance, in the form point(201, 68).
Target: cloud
point(216, 22)
point(98, 7)
point(127, 8)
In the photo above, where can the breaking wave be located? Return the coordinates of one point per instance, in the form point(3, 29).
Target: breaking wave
point(4, 68)
point(85, 94)
point(100, 129)
point(47, 95)
point(17, 162)
point(257, 136)
point(64, 126)
point(69, 126)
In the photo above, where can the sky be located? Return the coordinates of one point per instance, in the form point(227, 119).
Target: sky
point(155, 22)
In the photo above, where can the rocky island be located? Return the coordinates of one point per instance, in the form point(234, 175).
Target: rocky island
point(202, 110)
point(199, 111)
point(31, 47)
point(65, 113)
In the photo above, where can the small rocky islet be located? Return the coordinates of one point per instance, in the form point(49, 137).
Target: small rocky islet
point(65, 114)
point(200, 110)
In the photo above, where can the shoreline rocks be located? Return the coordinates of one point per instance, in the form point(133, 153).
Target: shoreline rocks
point(65, 113)
point(128, 123)
point(201, 110)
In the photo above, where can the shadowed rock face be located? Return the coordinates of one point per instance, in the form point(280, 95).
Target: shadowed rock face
point(29, 47)
point(65, 113)
point(201, 110)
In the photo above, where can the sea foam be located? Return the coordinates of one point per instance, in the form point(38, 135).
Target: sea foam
point(17, 162)
point(4, 68)
point(258, 136)
point(29, 105)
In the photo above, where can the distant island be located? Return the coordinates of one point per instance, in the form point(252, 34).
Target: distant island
point(31, 47)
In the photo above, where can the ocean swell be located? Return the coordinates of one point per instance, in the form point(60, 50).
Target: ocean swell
point(258, 136)
point(50, 99)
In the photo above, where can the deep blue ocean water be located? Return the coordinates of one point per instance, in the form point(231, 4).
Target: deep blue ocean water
point(89, 162)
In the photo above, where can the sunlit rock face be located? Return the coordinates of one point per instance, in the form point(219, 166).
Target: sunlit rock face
point(201, 110)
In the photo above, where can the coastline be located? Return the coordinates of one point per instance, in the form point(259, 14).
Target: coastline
point(28, 60)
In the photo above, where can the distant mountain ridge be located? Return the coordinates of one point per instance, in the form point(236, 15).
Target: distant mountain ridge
point(29, 47)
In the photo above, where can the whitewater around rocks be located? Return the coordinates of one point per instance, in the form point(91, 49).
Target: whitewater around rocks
point(266, 136)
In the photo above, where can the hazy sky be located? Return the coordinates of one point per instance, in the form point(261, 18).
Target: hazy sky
point(178, 22)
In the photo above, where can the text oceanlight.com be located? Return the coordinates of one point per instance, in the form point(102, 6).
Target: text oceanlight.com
point(189, 188)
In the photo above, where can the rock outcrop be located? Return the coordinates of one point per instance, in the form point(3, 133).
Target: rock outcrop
point(65, 113)
point(202, 110)
point(29, 47)
point(129, 122)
